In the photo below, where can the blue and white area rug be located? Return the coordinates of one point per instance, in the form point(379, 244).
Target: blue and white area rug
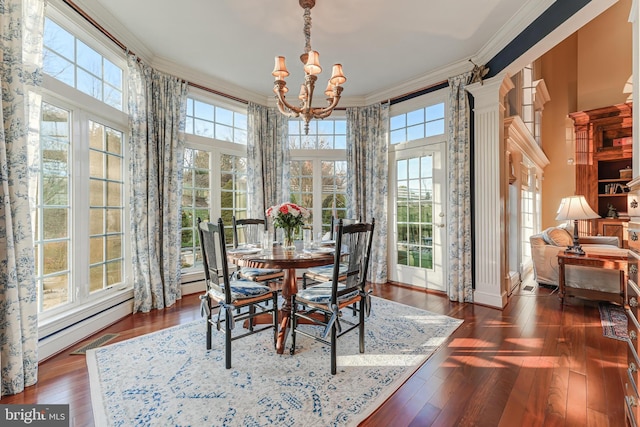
point(168, 378)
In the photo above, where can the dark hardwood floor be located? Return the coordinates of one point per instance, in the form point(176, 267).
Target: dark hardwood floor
point(535, 363)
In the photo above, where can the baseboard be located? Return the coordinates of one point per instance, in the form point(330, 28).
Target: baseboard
point(193, 287)
point(513, 280)
point(490, 300)
point(67, 337)
point(61, 334)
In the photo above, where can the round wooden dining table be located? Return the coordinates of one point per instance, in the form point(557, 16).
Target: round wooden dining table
point(288, 261)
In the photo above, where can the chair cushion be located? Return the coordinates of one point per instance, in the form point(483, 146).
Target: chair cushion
point(557, 237)
point(257, 273)
point(242, 289)
point(321, 293)
point(327, 270)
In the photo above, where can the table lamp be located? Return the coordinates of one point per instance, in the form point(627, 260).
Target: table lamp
point(575, 208)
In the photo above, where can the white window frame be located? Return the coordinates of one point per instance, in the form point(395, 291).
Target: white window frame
point(216, 148)
point(59, 326)
point(218, 101)
point(90, 36)
point(423, 101)
point(84, 108)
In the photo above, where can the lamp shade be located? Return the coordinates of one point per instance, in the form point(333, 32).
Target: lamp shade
point(313, 63)
point(280, 70)
point(575, 208)
point(329, 90)
point(337, 76)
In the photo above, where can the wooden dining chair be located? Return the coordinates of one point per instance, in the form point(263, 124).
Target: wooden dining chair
point(248, 231)
point(235, 299)
point(322, 304)
point(323, 273)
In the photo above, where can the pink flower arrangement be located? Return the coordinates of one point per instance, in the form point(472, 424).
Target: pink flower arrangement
point(288, 215)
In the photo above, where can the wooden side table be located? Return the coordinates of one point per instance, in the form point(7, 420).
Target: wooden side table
point(608, 262)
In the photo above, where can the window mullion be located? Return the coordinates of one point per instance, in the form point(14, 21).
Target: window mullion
point(80, 207)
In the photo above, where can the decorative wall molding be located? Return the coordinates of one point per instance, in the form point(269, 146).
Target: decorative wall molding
point(519, 138)
point(489, 192)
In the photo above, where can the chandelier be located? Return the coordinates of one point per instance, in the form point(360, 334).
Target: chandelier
point(311, 60)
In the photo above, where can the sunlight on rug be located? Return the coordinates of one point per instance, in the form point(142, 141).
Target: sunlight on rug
point(169, 378)
point(614, 321)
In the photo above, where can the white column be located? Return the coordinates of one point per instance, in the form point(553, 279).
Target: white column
point(489, 208)
point(634, 18)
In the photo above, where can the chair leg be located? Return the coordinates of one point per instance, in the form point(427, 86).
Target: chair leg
point(292, 350)
point(333, 349)
point(252, 312)
point(275, 319)
point(209, 327)
point(361, 325)
point(304, 280)
point(227, 343)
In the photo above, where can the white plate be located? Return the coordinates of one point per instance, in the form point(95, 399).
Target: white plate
point(244, 251)
point(328, 242)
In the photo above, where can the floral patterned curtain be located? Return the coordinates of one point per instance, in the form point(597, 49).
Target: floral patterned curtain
point(157, 111)
point(21, 26)
point(267, 159)
point(459, 164)
point(368, 177)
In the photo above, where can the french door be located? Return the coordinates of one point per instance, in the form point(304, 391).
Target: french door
point(418, 235)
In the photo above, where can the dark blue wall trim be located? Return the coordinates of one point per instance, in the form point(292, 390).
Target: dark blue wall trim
point(550, 19)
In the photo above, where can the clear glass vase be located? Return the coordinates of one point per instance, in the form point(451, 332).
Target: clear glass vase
point(288, 244)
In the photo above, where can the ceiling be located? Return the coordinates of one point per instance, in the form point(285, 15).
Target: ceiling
point(381, 44)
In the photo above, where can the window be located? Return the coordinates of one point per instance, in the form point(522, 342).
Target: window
point(212, 121)
point(53, 210)
point(318, 169)
point(70, 60)
point(106, 206)
point(415, 211)
point(323, 134)
point(80, 227)
point(233, 189)
point(195, 203)
point(417, 124)
point(301, 185)
point(334, 191)
point(215, 173)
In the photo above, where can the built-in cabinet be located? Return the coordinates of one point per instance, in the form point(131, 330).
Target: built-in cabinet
point(603, 151)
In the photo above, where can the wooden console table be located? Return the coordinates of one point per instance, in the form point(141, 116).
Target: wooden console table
point(608, 262)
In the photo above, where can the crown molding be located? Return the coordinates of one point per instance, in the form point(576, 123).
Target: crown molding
point(525, 17)
point(206, 80)
point(419, 82)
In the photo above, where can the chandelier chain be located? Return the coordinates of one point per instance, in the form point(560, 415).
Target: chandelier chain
point(307, 29)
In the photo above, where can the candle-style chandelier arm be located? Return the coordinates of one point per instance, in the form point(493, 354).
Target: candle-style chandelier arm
point(321, 113)
point(284, 107)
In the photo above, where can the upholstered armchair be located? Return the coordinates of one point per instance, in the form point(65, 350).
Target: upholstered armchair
point(544, 250)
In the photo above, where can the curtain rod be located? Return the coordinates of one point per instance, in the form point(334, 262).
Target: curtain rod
point(111, 37)
point(418, 92)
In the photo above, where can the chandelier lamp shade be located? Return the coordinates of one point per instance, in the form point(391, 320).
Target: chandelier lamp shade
point(575, 208)
point(311, 60)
